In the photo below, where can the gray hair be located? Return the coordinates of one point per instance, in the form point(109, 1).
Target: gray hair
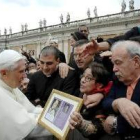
point(9, 59)
point(132, 47)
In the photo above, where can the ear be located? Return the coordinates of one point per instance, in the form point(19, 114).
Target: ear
point(137, 61)
point(99, 86)
point(58, 60)
point(3, 72)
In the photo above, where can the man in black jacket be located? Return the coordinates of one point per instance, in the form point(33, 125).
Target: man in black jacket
point(42, 82)
point(123, 99)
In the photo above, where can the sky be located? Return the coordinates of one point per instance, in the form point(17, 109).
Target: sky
point(14, 13)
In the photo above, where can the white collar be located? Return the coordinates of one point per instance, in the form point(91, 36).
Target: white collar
point(4, 85)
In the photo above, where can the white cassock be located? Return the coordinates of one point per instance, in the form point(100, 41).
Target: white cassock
point(18, 117)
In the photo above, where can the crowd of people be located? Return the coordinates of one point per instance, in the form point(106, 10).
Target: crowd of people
point(105, 74)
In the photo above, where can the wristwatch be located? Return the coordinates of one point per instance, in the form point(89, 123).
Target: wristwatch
point(114, 125)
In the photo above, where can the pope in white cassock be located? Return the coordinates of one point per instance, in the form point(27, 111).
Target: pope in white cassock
point(18, 117)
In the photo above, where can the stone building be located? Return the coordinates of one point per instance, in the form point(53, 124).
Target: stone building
point(102, 26)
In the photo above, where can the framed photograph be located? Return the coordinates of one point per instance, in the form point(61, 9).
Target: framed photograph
point(57, 111)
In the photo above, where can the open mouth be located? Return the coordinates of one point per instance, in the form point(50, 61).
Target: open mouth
point(80, 63)
point(81, 86)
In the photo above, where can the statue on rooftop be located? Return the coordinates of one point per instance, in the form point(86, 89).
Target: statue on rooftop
point(10, 30)
point(61, 18)
point(95, 12)
point(68, 18)
point(88, 13)
point(5, 31)
point(26, 26)
point(131, 5)
point(40, 23)
point(22, 28)
point(44, 22)
point(123, 6)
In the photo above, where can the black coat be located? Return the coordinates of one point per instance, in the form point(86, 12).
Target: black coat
point(119, 90)
point(127, 36)
point(41, 86)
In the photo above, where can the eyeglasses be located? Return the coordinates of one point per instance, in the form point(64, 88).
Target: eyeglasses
point(77, 55)
point(81, 55)
point(87, 78)
point(47, 63)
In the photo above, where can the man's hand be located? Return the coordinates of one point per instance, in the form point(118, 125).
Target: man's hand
point(129, 110)
point(90, 48)
point(76, 120)
point(64, 69)
point(108, 124)
point(92, 100)
point(106, 54)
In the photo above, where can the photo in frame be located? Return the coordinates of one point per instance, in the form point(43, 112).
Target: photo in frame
point(57, 111)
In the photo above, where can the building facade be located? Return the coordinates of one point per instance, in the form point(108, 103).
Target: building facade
point(103, 26)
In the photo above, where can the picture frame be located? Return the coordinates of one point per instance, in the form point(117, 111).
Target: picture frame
point(56, 113)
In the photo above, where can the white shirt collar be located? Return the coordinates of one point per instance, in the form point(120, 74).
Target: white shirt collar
point(3, 84)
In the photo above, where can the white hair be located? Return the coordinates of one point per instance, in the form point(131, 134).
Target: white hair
point(132, 47)
point(8, 59)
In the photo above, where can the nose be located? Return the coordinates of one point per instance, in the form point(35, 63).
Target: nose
point(115, 69)
point(78, 57)
point(45, 66)
point(83, 79)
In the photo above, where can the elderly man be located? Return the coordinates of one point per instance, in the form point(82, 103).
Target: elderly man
point(124, 99)
point(42, 82)
point(18, 117)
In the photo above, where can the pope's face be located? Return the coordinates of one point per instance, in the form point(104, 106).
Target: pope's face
point(13, 78)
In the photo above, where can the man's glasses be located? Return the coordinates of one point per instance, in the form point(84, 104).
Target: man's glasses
point(77, 55)
point(87, 78)
point(47, 63)
point(80, 55)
